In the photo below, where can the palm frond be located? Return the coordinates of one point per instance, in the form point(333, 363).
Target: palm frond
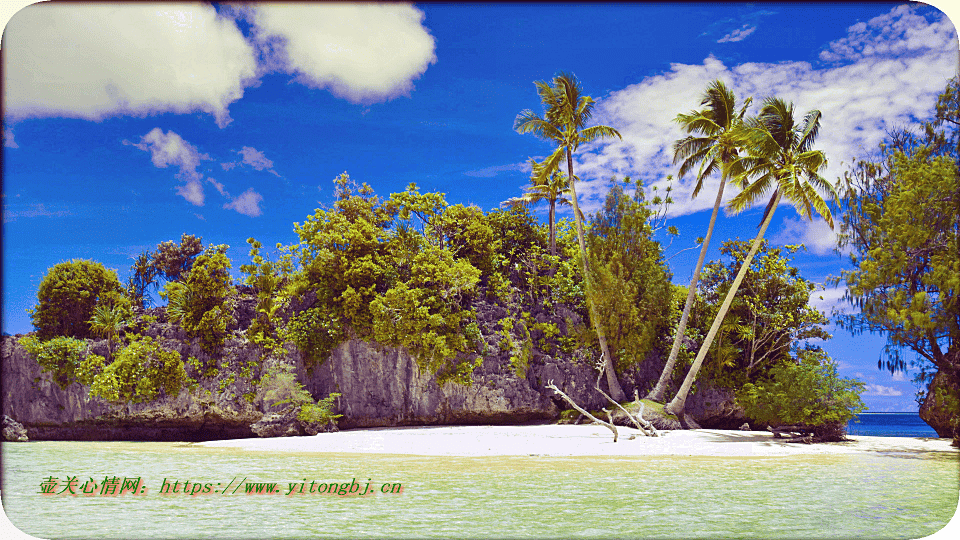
point(598, 132)
point(811, 127)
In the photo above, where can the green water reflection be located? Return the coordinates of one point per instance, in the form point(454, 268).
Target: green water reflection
point(875, 496)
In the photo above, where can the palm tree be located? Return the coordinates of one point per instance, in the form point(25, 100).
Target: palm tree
point(718, 127)
point(107, 322)
point(566, 114)
point(551, 186)
point(779, 157)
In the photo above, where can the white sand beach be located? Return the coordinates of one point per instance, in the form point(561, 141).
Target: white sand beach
point(572, 440)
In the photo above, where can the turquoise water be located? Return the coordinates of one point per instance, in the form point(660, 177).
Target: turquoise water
point(890, 425)
point(841, 496)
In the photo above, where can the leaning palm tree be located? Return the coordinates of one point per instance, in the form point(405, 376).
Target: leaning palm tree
point(550, 186)
point(779, 157)
point(566, 114)
point(718, 129)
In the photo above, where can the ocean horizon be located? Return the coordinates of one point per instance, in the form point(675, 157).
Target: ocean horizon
point(890, 424)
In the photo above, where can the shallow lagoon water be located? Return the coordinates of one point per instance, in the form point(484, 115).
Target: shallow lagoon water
point(905, 495)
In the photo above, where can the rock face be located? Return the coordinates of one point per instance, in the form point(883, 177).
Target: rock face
point(379, 386)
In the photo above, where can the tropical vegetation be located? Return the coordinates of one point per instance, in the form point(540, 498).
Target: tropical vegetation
point(454, 286)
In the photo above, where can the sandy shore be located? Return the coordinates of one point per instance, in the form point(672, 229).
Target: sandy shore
point(573, 440)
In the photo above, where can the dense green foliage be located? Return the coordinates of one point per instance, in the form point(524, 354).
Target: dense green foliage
point(768, 318)
point(810, 393)
point(68, 295)
point(632, 284)
point(901, 219)
point(138, 373)
point(198, 301)
point(61, 356)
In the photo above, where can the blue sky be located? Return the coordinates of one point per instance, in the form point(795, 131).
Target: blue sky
point(126, 125)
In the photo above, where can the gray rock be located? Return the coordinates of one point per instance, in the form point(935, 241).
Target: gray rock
point(13, 431)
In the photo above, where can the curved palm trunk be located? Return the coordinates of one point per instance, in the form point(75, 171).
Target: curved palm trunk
point(657, 393)
point(612, 383)
point(679, 402)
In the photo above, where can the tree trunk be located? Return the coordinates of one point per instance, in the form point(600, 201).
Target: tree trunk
point(612, 383)
point(657, 393)
point(679, 402)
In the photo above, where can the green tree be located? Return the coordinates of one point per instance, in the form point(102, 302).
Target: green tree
point(768, 317)
point(632, 283)
point(779, 156)
point(567, 112)
point(172, 260)
point(144, 276)
point(550, 186)
point(900, 219)
point(60, 356)
point(68, 294)
point(718, 129)
point(809, 392)
point(198, 300)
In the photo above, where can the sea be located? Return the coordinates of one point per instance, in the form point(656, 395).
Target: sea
point(894, 424)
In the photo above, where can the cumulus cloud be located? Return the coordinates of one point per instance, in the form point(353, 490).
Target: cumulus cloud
point(901, 33)
point(169, 149)
point(739, 34)
point(900, 376)
point(878, 390)
point(248, 203)
point(816, 235)
point(360, 52)
point(93, 61)
point(860, 98)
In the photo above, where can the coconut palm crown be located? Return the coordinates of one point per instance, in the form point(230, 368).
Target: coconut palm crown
point(718, 134)
point(564, 123)
point(779, 157)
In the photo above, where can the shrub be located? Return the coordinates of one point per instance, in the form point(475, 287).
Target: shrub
point(61, 356)
point(321, 412)
point(138, 373)
point(68, 295)
point(810, 393)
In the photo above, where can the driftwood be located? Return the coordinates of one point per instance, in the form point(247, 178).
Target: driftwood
point(645, 427)
point(609, 425)
point(797, 433)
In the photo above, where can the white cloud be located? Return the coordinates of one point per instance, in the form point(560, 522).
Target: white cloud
point(830, 300)
point(900, 376)
point(168, 149)
point(360, 52)
point(816, 235)
point(248, 203)
point(859, 100)
point(739, 34)
point(490, 172)
point(93, 61)
point(8, 141)
point(192, 191)
point(11, 214)
point(219, 187)
point(878, 390)
point(901, 33)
